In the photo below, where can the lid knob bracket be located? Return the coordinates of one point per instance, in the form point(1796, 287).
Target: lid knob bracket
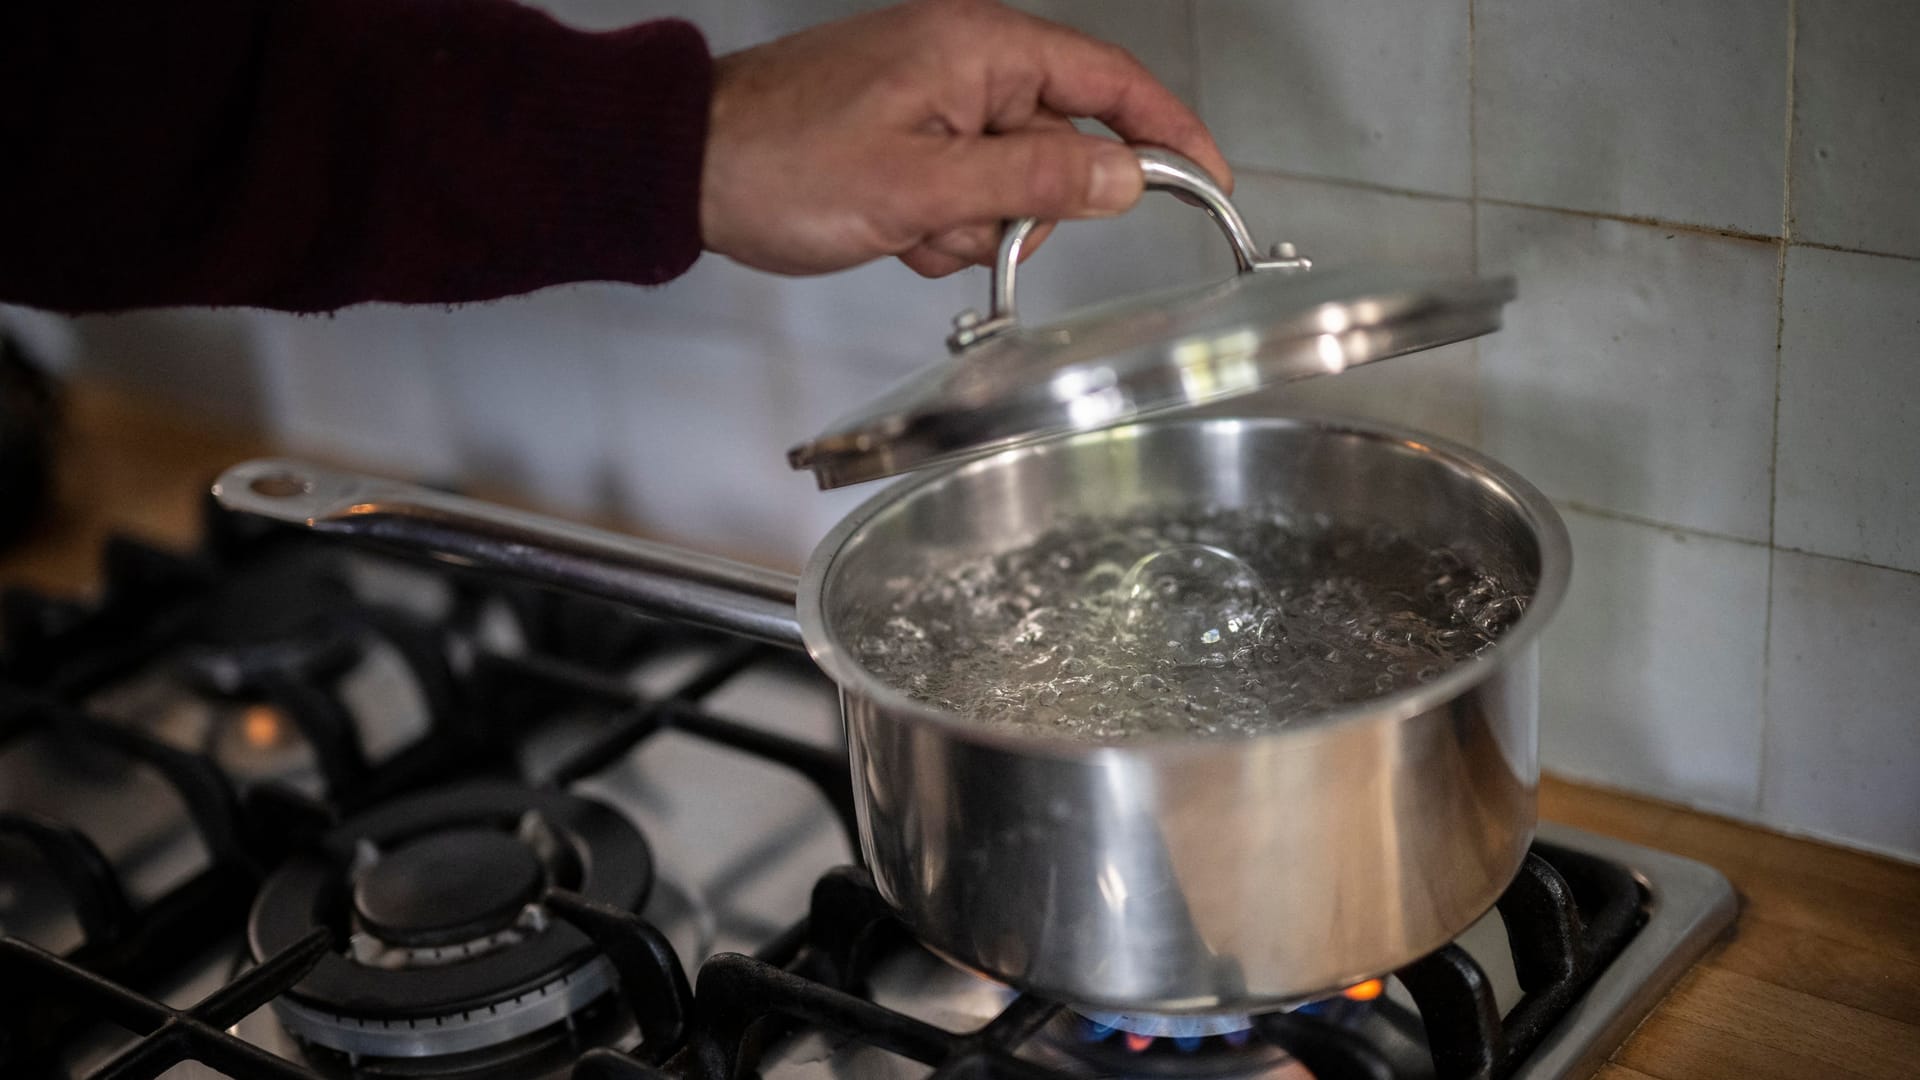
point(1164, 171)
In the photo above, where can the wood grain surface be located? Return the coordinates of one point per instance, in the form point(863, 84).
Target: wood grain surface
point(1820, 976)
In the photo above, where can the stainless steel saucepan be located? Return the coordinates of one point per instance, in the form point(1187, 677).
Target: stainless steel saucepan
point(1203, 875)
point(1193, 875)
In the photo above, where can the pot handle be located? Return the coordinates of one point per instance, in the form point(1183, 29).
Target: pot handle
point(658, 579)
point(1164, 171)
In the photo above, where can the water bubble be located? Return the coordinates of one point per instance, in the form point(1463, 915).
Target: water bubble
point(1148, 686)
point(1188, 593)
point(1100, 582)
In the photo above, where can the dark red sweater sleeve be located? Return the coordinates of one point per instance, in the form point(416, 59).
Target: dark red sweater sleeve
point(308, 154)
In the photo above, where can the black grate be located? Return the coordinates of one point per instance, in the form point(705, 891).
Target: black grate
point(167, 1036)
point(1566, 914)
point(814, 976)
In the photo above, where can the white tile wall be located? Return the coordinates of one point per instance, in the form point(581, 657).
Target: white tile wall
point(1856, 160)
point(727, 24)
point(705, 415)
point(1843, 696)
point(1342, 226)
point(1161, 242)
point(1637, 107)
point(520, 385)
point(881, 308)
point(1372, 90)
point(357, 386)
point(1651, 675)
point(1635, 373)
point(1848, 480)
point(1158, 32)
point(1339, 225)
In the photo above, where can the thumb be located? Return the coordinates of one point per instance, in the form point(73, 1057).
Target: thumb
point(1047, 175)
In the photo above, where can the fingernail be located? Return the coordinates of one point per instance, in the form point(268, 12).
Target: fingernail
point(1116, 182)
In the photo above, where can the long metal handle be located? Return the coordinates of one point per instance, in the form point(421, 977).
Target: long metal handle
point(1164, 171)
point(661, 580)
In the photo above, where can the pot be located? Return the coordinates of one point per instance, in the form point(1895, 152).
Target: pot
point(1200, 875)
point(1205, 875)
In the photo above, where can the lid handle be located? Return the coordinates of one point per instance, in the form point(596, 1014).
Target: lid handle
point(1165, 171)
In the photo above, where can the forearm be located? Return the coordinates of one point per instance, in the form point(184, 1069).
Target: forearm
point(307, 154)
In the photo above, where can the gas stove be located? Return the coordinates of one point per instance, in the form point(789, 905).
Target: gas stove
point(278, 809)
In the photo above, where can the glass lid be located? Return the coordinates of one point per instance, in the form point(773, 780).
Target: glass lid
point(1273, 321)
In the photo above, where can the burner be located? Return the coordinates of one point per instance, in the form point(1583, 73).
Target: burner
point(1208, 1045)
point(1143, 1044)
point(1188, 1031)
point(448, 887)
point(274, 624)
point(449, 949)
point(321, 650)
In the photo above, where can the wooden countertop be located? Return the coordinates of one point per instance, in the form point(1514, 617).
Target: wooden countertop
point(1820, 976)
point(1819, 979)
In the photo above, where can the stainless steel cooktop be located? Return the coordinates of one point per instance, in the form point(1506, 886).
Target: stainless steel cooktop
point(738, 842)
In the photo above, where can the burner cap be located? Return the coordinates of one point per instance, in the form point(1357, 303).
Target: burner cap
point(455, 863)
point(448, 887)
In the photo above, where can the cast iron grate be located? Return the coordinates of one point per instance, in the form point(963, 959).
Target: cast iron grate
point(168, 1037)
point(57, 653)
point(1564, 924)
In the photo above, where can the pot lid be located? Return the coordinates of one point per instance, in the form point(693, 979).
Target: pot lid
point(1272, 322)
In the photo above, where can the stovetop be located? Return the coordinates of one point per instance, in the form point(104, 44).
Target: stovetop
point(279, 809)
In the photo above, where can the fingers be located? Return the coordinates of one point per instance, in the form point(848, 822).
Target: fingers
point(927, 262)
point(1085, 77)
point(1043, 119)
point(955, 182)
point(974, 243)
point(1034, 239)
point(979, 245)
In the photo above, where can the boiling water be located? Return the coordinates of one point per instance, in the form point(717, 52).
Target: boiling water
point(1199, 624)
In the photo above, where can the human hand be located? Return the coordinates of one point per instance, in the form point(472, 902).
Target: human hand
point(915, 130)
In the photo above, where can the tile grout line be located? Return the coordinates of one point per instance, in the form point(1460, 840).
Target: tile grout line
point(1194, 70)
point(1815, 245)
point(1631, 219)
point(1654, 523)
point(1193, 62)
point(1476, 201)
point(1473, 213)
point(1779, 364)
point(1689, 531)
point(1473, 146)
point(1788, 550)
point(1344, 182)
